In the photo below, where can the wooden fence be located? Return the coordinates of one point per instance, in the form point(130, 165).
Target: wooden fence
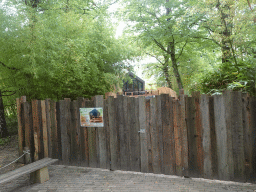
point(198, 136)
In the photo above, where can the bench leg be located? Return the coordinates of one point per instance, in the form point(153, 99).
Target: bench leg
point(40, 175)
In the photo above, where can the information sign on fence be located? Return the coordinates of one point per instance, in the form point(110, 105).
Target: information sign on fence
point(91, 117)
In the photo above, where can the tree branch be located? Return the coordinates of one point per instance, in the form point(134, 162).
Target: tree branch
point(155, 58)
point(12, 68)
point(182, 49)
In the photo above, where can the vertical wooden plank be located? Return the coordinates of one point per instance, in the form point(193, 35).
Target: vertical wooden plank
point(160, 130)
point(148, 132)
point(199, 147)
point(20, 126)
point(59, 140)
point(143, 136)
point(115, 158)
point(168, 135)
point(184, 134)
point(36, 128)
point(44, 128)
point(74, 142)
point(134, 135)
point(65, 140)
point(204, 106)
point(122, 126)
point(84, 161)
point(237, 136)
point(228, 117)
point(48, 123)
point(29, 140)
point(154, 137)
point(92, 140)
point(221, 137)
point(252, 105)
point(54, 131)
point(102, 133)
point(177, 136)
point(137, 136)
point(106, 126)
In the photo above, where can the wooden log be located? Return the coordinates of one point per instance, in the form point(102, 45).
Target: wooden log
point(154, 137)
point(221, 137)
point(54, 131)
point(148, 132)
point(48, 124)
point(237, 135)
point(184, 134)
point(21, 136)
point(106, 126)
point(159, 130)
point(44, 128)
point(83, 139)
point(65, 137)
point(114, 144)
point(124, 135)
point(29, 140)
point(199, 146)
point(134, 135)
point(58, 132)
point(204, 106)
point(143, 135)
point(102, 133)
point(177, 136)
point(168, 135)
point(74, 143)
point(36, 129)
point(253, 136)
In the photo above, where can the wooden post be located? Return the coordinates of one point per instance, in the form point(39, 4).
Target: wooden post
point(168, 135)
point(48, 123)
point(134, 135)
point(114, 145)
point(36, 129)
point(159, 130)
point(74, 145)
point(28, 130)
point(44, 127)
point(154, 137)
point(54, 131)
point(106, 126)
point(148, 132)
point(21, 137)
point(123, 132)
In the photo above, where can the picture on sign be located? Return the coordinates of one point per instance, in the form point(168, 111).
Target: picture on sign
point(91, 117)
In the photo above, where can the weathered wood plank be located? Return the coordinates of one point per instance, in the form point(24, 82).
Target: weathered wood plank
point(36, 128)
point(199, 146)
point(134, 135)
point(204, 106)
point(84, 161)
point(29, 140)
point(143, 136)
point(122, 126)
point(74, 143)
point(21, 136)
point(148, 132)
point(168, 135)
point(154, 137)
point(48, 124)
point(184, 134)
point(54, 131)
point(253, 136)
point(65, 140)
point(237, 136)
point(102, 133)
point(159, 130)
point(106, 126)
point(44, 128)
point(114, 144)
point(177, 136)
point(221, 137)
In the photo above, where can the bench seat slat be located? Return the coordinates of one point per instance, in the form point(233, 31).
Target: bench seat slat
point(26, 169)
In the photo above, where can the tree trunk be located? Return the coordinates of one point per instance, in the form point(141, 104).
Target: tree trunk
point(3, 127)
point(175, 66)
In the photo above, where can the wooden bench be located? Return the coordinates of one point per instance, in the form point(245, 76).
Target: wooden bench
point(38, 171)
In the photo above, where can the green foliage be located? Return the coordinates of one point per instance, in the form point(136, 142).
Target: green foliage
point(4, 141)
point(228, 76)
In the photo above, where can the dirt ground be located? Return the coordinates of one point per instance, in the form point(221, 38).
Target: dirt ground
point(9, 153)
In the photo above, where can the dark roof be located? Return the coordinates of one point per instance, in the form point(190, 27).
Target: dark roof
point(136, 77)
